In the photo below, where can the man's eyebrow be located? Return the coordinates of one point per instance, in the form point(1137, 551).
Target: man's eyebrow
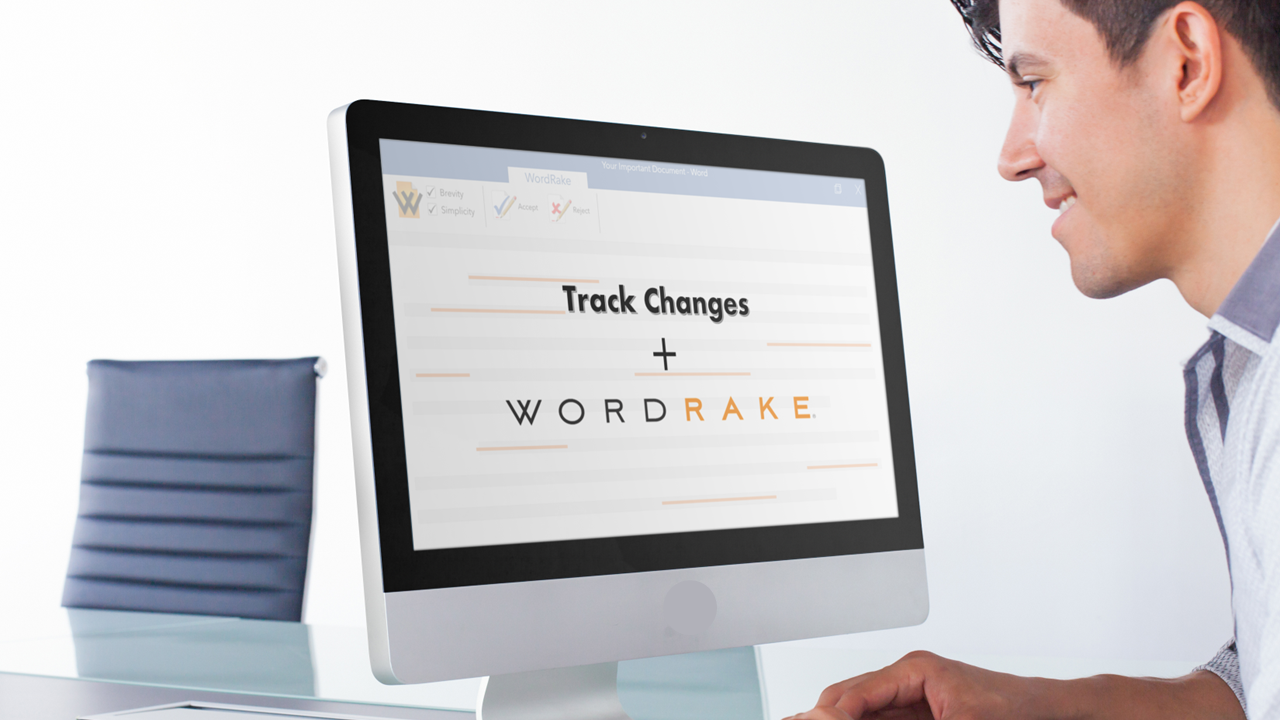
point(1022, 59)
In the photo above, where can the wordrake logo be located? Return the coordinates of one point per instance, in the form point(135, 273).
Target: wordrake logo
point(408, 199)
point(572, 411)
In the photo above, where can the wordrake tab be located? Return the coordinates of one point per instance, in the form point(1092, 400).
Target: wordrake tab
point(558, 179)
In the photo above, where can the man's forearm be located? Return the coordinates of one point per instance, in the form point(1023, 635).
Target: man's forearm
point(1198, 696)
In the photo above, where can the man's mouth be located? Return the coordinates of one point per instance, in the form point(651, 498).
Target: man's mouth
point(1066, 204)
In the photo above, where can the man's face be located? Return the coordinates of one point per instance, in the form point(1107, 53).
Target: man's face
point(1100, 141)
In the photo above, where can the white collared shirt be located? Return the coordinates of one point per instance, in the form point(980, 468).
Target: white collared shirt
point(1235, 376)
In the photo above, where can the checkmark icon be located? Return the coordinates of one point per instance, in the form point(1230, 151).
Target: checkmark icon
point(504, 206)
point(429, 192)
point(431, 209)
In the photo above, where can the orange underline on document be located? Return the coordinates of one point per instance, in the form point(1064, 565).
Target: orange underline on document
point(715, 500)
point(431, 375)
point(524, 447)
point(691, 374)
point(833, 467)
point(530, 279)
point(492, 310)
point(819, 344)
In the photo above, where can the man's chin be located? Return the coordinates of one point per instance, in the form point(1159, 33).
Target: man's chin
point(1099, 284)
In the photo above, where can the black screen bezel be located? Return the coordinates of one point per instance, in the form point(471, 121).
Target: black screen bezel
point(405, 569)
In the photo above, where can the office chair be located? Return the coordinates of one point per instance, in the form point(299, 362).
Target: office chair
point(196, 488)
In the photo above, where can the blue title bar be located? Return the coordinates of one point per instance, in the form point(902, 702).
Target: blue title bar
point(465, 162)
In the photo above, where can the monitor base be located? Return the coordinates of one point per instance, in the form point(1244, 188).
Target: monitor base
point(586, 692)
point(710, 685)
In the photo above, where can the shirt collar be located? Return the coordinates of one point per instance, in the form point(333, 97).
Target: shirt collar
point(1251, 312)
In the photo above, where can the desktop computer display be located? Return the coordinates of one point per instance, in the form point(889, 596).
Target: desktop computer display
point(617, 391)
point(592, 347)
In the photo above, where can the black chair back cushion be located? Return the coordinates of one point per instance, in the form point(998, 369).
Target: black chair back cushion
point(196, 488)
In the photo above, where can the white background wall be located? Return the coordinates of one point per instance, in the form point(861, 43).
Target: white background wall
point(164, 193)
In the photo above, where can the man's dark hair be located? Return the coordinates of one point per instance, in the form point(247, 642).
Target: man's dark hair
point(1126, 25)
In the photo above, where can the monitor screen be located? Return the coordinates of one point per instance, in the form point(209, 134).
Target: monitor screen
point(600, 347)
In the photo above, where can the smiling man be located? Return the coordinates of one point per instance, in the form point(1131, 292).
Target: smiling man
point(1154, 128)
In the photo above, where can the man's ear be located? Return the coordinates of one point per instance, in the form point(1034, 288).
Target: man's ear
point(1194, 35)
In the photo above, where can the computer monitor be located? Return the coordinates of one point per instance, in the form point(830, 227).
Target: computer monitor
point(618, 392)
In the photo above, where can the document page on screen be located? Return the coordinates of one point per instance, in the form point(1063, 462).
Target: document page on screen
point(600, 347)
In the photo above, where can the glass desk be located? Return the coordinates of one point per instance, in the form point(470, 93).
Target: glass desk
point(295, 660)
point(331, 663)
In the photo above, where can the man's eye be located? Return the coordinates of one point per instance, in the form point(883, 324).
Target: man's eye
point(1031, 85)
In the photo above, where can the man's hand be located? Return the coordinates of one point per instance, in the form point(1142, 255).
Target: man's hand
point(923, 686)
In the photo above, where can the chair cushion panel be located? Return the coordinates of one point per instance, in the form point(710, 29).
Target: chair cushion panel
point(245, 407)
point(164, 503)
point(113, 595)
point(264, 473)
point(279, 573)
point(189, 537)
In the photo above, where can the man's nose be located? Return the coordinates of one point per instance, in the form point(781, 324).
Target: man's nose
point(1019, 158)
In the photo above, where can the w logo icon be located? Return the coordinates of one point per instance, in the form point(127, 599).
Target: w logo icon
point(408, 198)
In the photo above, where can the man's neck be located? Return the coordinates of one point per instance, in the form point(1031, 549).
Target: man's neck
point(1238, 198)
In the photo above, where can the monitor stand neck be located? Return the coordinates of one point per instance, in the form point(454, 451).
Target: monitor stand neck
point(586, 692)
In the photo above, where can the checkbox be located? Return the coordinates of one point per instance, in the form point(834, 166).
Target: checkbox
point(429, 192)
point(431, 209)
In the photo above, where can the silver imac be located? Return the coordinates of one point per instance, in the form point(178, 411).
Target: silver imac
point(617, 392)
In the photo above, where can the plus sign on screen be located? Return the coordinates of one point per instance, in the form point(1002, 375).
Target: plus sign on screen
point(664, 354)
